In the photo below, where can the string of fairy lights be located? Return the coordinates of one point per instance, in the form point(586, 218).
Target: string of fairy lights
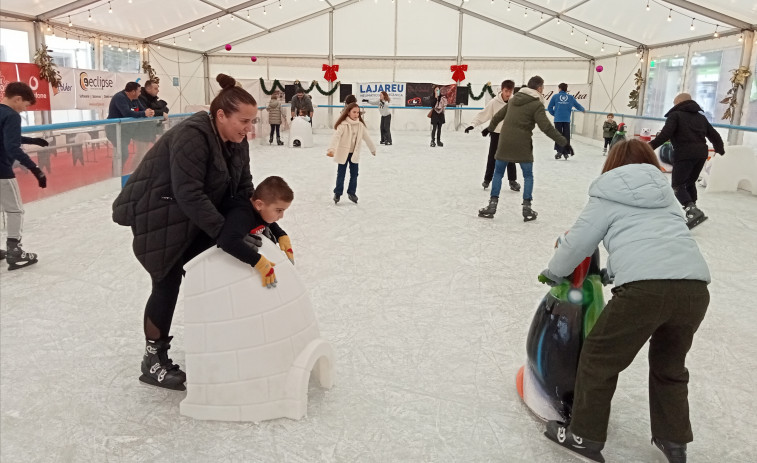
point(591, 40)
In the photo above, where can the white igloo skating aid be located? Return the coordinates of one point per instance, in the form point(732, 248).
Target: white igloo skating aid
point(250, 350)
point(300, 133)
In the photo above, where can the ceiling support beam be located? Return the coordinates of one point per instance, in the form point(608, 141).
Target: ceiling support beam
point(514, 29)
point(704, 11)
point(203, 20)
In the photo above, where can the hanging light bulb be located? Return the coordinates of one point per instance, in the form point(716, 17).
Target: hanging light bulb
point(647, 5)
point(248, 14)
point(203, 27)
point(541, 18)
point(48, 27)
point(101, 41)
point(603, 47)
point(53, 32)
point(90, 15)
point(158, 46)
point(508, 6)
point(280, 7)
point(174, 40)
point(525, 12)
point(587, 40)
point(571, 30)
point(558, 20)
point(670, 18)
point(264, 11)
point(190, 36)
point(69, 21)
point(618, 51)
point(691, 28)
point(218, 23)
point(110, 9)
point(741, 37)
point(716, 31)
point(232, 17)
point(129, 1)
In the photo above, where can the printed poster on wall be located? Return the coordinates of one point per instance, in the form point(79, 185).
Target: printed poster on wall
point(94, 89)
point(65, 97)
point(29, 74)
point(421, 94)
point(370, 91)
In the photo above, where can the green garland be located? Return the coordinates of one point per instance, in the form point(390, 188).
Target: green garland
point(313, 84)
point(487, 88)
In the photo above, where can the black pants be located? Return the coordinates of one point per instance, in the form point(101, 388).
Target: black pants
point(275, 127)
point(512, 173)
point(666, 313)
point(607, 141)
point(386, 134)
point(564, 129)
point(162, 301)
point(436, 130)
point(684, 181)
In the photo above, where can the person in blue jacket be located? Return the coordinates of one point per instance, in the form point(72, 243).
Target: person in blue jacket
point(659, 299)
point(126, 104)
point(560, 107)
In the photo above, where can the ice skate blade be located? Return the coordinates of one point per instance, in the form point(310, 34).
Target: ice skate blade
point(25, 264)
point(696, 222)
point(148, 380)
point(575, 455)
point(486, 215)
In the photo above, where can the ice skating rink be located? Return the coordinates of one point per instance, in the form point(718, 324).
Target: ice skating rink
point(427, 306)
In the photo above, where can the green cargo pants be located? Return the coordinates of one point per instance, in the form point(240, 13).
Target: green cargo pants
point(667, 311)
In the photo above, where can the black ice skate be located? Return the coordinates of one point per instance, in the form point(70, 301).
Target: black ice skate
point(558, 155)
point(485, 184)
point(694, 216)
point(558, 432)
point(336, 199)
point(388, 143)
point(352, 197)
point(18, 258)
point(489, 211)
point(433, 144)
point(675, 453)
point(440, 144)
point(2, 254)
point(158, 369)
point(270, 139)
point(514, 185)
point(278, 141)
point(528, 213)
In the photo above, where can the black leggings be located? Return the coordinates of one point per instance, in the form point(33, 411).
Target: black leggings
point(436, 130)
point(162, 301)
point(276, 128)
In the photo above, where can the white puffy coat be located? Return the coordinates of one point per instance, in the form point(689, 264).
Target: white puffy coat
point(341, 142)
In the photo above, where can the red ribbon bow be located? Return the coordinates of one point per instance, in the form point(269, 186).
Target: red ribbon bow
point(330, 74)
point(458, 72)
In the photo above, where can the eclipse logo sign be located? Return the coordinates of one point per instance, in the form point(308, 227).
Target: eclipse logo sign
point(94, 83)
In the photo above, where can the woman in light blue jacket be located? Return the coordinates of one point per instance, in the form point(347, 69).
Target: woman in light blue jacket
point(661, 293)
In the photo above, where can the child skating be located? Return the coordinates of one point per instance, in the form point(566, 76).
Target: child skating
point(386, 117)
point(608, 131)
point(274, 118)
point(345, 149)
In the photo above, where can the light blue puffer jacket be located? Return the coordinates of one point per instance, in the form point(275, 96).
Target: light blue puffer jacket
point(633, 211)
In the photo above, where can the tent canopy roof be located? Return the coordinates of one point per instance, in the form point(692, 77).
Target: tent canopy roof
point(549, 28)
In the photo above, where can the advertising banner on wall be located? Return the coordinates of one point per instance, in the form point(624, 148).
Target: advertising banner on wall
point(370, 91)
point(29, 74)
point(94, 89)
point(421, 94)
point(65, 96)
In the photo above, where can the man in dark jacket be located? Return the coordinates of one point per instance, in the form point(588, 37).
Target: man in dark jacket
point(686, 127)
point(125, 104)
point(302, 102)
point(148, 98)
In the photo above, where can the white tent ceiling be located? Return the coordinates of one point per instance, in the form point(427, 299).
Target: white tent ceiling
point(490, 28)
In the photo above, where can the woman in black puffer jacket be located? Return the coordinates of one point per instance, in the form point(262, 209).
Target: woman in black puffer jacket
point(171, 202)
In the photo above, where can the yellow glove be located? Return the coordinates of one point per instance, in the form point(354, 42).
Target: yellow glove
point(267, 275)
point(286, 245)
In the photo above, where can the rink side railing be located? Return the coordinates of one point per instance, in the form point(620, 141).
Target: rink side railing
point(83, 153)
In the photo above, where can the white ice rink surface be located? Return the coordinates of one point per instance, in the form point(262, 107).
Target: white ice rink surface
point(427, 306)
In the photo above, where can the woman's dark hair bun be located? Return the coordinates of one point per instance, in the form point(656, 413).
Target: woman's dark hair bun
point(225, 81)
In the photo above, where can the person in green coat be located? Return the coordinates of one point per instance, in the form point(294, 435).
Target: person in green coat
point(524, 111)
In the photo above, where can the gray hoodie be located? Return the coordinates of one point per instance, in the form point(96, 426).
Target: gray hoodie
point(633, 211)
point(383, 106)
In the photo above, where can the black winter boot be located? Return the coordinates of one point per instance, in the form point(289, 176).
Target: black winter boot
point(675, 453)
point(528, 213)
point(558, 432)
point(489, 211)
point(17, 257)
point(439, 144)
point(158, 369)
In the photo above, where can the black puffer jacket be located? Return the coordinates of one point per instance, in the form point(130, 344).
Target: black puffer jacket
point(148, 101)
point(177, 190)
point(687, 129)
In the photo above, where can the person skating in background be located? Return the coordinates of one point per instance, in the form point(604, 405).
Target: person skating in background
point(687, 128)
point(257, 216)
point(560, 107)
point(274, 118)
point(438, 103)
point(492, 107)
point(608, 130)
point(660, 298)
point(620, 135)
point(519, 116)
point(18, 96)
point(345, 149)
point(302, 102)
point(386, 117)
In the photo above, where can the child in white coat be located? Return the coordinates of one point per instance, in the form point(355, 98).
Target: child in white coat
point(345, 149)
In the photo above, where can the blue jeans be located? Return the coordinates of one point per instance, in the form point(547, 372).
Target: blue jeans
point(528, 178)
point(341, 171)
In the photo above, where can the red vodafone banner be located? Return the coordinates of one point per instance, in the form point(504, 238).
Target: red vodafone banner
point(29, 74)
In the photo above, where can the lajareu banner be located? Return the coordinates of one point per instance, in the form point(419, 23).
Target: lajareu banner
point(29, 74)
point(370, 91)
